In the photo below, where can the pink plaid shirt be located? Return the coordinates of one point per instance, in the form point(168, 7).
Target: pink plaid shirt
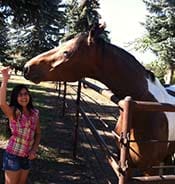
point(23, 131)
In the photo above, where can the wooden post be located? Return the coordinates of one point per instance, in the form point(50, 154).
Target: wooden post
point(126, 104)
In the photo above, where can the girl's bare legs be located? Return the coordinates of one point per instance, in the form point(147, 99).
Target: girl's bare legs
point(16, 177)
point(12, 177)
point(23, 176)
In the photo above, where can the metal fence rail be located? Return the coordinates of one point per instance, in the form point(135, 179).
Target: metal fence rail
point(128, 109)
point(128, 106)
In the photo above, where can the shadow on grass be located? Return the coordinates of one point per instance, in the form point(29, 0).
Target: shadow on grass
point(55, 163)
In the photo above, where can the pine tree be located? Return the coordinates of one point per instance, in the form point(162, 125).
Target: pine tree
point(3, 37)
point(82, 16)
point(160, 37)
point(33, 26)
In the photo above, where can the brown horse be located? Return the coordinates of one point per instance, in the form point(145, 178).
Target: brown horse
point(88, 55)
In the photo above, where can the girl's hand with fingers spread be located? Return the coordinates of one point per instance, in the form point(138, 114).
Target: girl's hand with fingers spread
point(6, 72)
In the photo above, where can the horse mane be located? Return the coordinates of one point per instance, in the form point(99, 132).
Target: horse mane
point(150, 75)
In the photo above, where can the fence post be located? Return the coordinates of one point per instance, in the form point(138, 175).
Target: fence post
point(64, 98)
point(77, 120)
point(126, 104)
point(58, 88)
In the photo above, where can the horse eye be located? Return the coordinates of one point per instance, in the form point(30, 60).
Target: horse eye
point(66, 53)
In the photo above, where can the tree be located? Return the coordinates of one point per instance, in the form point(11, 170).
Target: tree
point(3, 37)
point(82, 16)
point(159, 69)
point(32, 27)
point(160, 36)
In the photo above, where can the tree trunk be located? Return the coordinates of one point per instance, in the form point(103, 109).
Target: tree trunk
point(169, 75)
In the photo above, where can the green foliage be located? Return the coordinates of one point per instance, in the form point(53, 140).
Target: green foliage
point(160, 26)
point(29, 27)
point(160, 36)
point(158, 68)
point(82, 16)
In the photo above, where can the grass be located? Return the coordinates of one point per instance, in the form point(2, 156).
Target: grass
point(52, 150)
point(55, 162)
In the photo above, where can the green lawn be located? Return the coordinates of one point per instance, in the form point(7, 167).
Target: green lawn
point(45, 99)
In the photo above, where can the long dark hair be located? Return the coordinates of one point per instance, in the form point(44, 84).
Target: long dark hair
point(14, 96)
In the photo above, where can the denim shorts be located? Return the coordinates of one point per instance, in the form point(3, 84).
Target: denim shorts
point(14, 163)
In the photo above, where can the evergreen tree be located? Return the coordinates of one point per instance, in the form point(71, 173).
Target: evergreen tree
point(33, 26)
point(82, 16)
point(3, 37)
point(160, 37)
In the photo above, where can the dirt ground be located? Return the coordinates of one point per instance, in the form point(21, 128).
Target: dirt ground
point(55, 163)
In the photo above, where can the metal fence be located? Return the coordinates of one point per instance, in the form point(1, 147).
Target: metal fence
point(129, 106)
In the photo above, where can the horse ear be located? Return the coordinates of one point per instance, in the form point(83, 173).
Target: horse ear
point(94, 32)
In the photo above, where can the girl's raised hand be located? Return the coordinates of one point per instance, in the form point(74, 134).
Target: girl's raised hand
point(6, 73)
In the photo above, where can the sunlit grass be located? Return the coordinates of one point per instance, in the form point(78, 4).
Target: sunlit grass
point(47, 153)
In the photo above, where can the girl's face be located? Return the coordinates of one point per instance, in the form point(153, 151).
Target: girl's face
point(23, 97)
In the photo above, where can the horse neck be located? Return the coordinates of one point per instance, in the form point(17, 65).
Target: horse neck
point(121, 73)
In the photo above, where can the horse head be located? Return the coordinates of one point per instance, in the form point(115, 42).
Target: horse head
point(69, 62)
point(88, 55)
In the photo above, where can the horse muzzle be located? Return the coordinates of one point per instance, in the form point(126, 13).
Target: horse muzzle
point(31, 75)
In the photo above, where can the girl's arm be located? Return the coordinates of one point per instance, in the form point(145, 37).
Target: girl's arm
point(3, 91)
point(37, 139)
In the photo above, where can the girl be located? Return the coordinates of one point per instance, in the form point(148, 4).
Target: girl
point(25, 130)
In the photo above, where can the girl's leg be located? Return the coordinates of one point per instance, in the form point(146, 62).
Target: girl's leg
point(12, 177)
point(23, 176)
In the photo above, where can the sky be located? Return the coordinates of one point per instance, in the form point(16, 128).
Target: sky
point(123, 18)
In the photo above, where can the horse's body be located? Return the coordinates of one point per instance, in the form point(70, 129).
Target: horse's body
point(89, 56)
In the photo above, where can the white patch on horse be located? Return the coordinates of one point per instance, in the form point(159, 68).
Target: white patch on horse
point(162, 96)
